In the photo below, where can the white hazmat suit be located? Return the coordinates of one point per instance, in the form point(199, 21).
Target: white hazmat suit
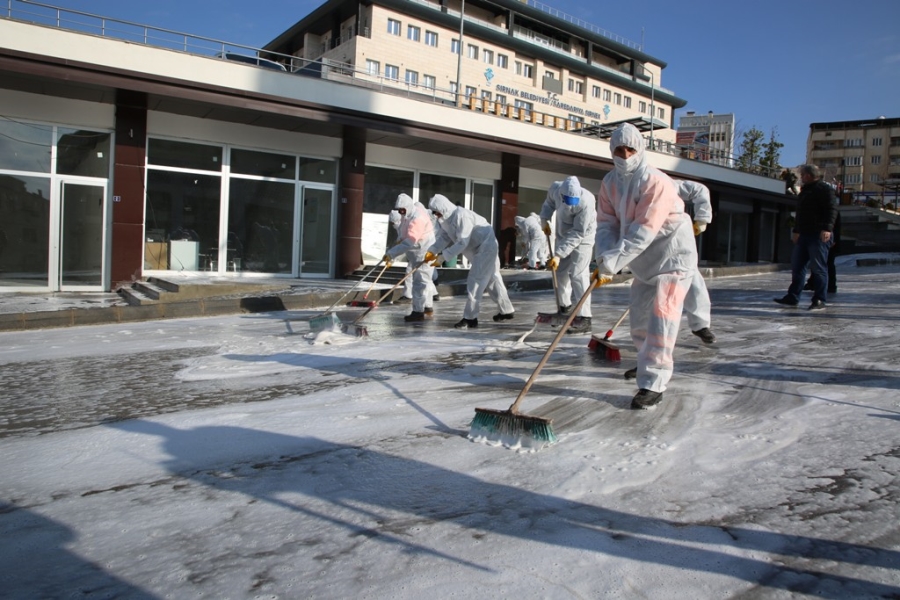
point(416, 235)
point(394, 219)
point(575, 229)
point(462, 231)
point(696, 303)
point(641, 224)
point(536, 248)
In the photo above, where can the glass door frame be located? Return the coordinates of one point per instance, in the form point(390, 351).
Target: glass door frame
point(298, 230)
point(56, 234)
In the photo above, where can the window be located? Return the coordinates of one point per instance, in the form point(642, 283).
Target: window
point(472, 51)
point(501, 99)
point(607, 95)
point(661, 113)
point(854, 178)
point(412, 33)
point(412, 78)
point(876, 160)
point(549, 74)
point(854, 161)
point(393, 27)
point(874, 177)
point(642, 107)
point(853, 143)
point(488, 56)
point(428, 81)
point(627, 101)
point(470, 91)
point(618, 99)
point(526, 106)
point(503, 61)
point(595, 92)
point(373, 67)
point(576, 120)
point(431, 39)
point(454, 46)
point(876, 141)
point(485, 95)
point(391, 72)
point(528, 71)
point(576, 86)
point(518, 67)
point(453, 87)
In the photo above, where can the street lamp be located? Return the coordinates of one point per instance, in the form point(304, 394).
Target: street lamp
point(644, 75)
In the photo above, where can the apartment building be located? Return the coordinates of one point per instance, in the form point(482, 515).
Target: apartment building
point(862, 156)
point(708, 137)
point(521, 60)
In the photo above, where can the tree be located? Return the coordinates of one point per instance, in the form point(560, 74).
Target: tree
point(771, 156)
point(751, 151)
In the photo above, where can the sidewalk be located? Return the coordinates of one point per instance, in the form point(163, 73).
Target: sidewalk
point(216, 296)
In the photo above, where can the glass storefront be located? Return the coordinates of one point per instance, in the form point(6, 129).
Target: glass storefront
point(53, 198)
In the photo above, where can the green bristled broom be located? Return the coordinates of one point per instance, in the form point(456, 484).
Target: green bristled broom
point(511, 428)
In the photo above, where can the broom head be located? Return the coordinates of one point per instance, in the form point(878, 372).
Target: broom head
point(511, 430)
point(603, 346)
point(551, 319)
point(355, 330)
point(363, 303)
point(326, 322)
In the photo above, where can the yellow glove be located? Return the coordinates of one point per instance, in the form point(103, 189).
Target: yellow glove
point(553, 263)
point(699, 227)
point(546, 228)
point(388, 259)
point(599, 278)
point(430, 256)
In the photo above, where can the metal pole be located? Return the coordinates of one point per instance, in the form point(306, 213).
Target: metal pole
point(462, 14)
point(652, 106)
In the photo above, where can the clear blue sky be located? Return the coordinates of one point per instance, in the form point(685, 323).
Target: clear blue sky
point(775, 65)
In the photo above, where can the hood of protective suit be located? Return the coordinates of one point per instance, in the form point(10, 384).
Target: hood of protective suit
point(404, 201)
point(627, 135)
point(570, 190)
point(441, 204)
point(520, 222)
point(394, 218)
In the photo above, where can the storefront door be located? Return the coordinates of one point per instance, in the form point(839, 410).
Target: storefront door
point(81, 215)
point(316, 231)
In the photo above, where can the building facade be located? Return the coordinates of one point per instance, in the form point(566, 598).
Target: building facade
point(121, 159)
point(860, 157)
point(707, 137)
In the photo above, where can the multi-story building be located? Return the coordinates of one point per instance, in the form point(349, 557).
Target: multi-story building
point(862, 157)
point(514, 58)
point(707, 137)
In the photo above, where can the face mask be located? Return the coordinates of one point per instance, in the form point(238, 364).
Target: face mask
point(626, 166)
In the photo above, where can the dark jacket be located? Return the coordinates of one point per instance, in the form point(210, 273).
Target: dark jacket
point(816, 208)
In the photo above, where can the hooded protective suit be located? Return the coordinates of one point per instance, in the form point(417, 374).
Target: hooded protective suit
point(462, 231)
point(696, 303)
point(394, 219)
point(575, 229)
point(536, 248)
point(641, 224)
point(416, 235)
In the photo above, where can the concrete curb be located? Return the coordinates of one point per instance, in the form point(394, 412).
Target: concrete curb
point(275, 302)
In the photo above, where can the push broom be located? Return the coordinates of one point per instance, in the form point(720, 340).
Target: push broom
point(552, 319)
point(511, 428)
point(355, 328)
point(365, 302)
point(608, 348)
point(329, 320)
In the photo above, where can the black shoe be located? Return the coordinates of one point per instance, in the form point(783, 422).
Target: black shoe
point(645, 399)
point(832, 290)
point(429, 313)
point(706, 335)
point(817, 305)
point(580, 325)
point(808, 286)
point(414, 316)
point(564, 310)
point(631, 373)
point(467, 324)
point(504, 316)
point(403, 300)
point(787, 301)
point(436, 298)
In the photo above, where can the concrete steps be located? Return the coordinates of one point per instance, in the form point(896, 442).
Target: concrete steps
point(155, 290)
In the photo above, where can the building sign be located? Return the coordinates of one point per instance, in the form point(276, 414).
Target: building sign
point(550, 99)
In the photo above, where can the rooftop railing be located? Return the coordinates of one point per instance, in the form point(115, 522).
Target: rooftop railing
point(325, 68)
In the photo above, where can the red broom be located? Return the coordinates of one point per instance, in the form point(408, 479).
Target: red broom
point(610, 350)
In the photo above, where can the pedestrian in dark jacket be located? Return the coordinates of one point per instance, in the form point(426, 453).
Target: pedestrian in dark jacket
point(813, 227)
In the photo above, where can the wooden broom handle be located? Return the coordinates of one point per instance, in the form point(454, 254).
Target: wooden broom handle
point(371, 287)
point(553, 344)
point(553, 272)
point(385, 295)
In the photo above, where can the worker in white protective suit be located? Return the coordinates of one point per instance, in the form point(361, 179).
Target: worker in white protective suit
point(537, 252)
point(641, 224)
point(416, 235)
point(394, 219)
point(462, 231)
point(697, 304)
point(576, 225)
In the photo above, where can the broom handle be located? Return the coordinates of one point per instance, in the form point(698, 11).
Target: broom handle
point(619, 322)
point(371, 287)
point(385, 295)
point(553, 344)
point(553, 272)
point(338, 301)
